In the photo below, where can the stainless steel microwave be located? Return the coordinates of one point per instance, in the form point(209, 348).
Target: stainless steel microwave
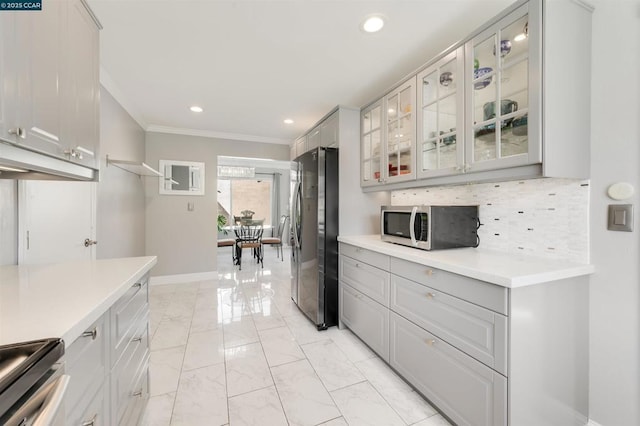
point(430, 227)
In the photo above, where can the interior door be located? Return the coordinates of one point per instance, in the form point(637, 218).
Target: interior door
point(56, 221)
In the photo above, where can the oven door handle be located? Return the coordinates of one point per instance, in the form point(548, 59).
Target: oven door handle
point(44, 405)
point(412, 226)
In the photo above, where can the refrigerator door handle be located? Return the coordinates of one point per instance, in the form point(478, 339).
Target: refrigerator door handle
point(298, 210)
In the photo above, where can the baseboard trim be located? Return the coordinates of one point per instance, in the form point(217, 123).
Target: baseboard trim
point(183, 278)
point(592, 423)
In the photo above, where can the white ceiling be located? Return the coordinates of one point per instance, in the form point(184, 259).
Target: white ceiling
point(252, 63)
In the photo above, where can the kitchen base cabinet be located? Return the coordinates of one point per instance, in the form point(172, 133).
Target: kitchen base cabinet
point(467, 391)
point(480, 352)
point(95, 413)
point(368, 319)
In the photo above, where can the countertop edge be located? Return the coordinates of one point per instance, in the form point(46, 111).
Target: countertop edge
point(422, 257)
point(97, 311)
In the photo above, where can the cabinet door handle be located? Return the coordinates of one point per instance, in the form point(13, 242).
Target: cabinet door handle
point(429, 272)
point(137, 339)
point(19, 132)
point(91, 422)
point(138, 394)
point(431, 342)
point(91, 333)
point(88, 242)
point(139, 285)
point(431, 295)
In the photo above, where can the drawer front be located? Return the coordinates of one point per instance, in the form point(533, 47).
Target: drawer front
point(481, 293)
point(123, 375)
point(476, 331)
point(124, 316)
point(138, 399)
point(371, 281)
point(467, 391)
point(95, 413)
point(373, 258)
point(86, 363)
point(368, 319)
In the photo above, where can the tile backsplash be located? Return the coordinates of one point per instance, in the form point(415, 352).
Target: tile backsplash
point(542, 217)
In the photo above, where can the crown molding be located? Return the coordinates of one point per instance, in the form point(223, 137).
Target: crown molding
point(213, 134)
point(107, 82)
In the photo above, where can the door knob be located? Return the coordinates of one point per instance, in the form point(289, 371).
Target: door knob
point(89, 242)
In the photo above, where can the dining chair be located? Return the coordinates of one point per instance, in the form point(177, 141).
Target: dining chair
point(279, 237)
point(249, 235)
point(229, 242)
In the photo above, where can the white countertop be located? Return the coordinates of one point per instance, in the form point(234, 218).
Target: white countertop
point(505, 269)
point(63, 299)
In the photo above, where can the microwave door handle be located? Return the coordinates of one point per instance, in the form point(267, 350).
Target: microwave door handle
point(412, 225)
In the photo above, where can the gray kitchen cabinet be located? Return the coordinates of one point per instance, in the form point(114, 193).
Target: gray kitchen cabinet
point(473, 329)
point(482, 353)
point(87, 363)
point(301, 146)
point(368, 319)
point(130, 353)
point(50, 90)
point(313, 139)
point(365, 278)
point(329, 131)
point(108, 364)
point(469, 392)
point(508, 102)
point(388, 137)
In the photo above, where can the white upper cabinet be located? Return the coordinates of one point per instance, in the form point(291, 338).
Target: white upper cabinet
point(441, 117)
point(388, 137)
point(50, 81)
point(502, 66)
point(326, 133)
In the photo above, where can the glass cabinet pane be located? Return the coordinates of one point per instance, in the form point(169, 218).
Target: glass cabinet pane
point(392, 108)
point(448, 79)
point(366, 122)
point(430, 154)
point(429, 88)
point(375, 143)
point(406, 106)
point(376, 115)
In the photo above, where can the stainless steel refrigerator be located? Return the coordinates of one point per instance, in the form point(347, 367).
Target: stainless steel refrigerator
point(314, 220)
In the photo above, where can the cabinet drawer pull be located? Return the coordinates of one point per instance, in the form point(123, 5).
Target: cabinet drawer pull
point(138, 394)
point(139, 285)
point(91, 333)
point(91, 422)
point(431, 342)
point(19, 132)
point(137, 339)
point(431, 295)
point(429, 272)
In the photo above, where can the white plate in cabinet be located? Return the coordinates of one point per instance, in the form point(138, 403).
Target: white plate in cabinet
point(476, 331)
point(481, 293)
point(86, 363)
point(468, 392)
point(94, 414)
point(371, 281)
point(368, 319)
point(380, 261)
point(125, 317)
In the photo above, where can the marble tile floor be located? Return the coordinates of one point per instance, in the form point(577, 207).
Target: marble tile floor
point(237, 351)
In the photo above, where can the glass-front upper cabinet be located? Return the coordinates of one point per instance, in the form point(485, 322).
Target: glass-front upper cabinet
point(371, 144)
point(440, 132)
point(499, 68)
point(399, 159)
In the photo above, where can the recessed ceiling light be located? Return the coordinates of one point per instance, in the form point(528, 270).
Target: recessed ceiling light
point(196, 108)
point(373, 23)
point(288, 121)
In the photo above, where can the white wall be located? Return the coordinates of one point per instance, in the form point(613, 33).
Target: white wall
point(120, 203)
point(615, 153)
point(185, 241)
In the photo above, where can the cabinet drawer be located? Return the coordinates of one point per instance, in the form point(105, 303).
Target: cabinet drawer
point(368, 319)
point(481, 293)
point(123, 376)
point(138, 399)
point(476, 331)
point(371, 281)
point(125, 314)
point(380, 261)
point(95, 413)
point(86, 363)
point(469, 392)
